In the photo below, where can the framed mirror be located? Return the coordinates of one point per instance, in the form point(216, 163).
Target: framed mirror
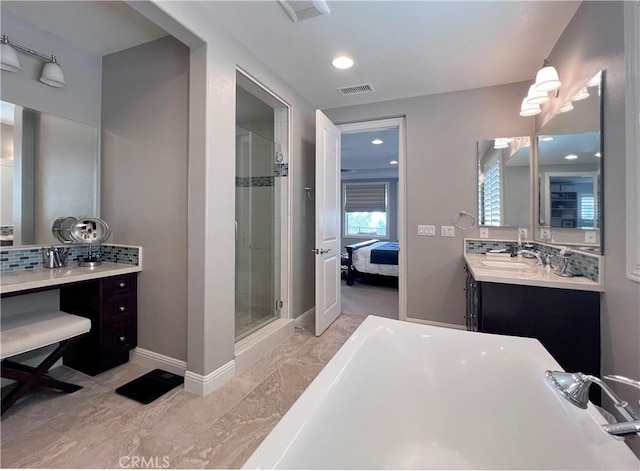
point(50, 168)
point(503, 181)
point(570, 162)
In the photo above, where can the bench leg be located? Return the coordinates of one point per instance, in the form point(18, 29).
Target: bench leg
point(31, 378)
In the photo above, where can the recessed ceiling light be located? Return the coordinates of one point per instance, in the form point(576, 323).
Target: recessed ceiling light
point(342, 62)
point(377, 142)
point(394, 162)
point(598, 154)
point(571, 157)
point(547, 138)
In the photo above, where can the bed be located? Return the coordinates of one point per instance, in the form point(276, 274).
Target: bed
point(373, 259)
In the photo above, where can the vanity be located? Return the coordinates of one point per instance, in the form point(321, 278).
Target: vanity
point(526, 300)
point(105, 294)
point(553, 198)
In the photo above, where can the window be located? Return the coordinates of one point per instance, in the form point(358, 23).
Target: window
point(365, 210)
point(490, 197)
point(586, 208)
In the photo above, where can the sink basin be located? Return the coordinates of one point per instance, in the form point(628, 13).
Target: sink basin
point(507, 265)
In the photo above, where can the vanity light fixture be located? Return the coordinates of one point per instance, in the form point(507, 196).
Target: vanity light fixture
point(342, 62)
point(528, 109)
point(536, 97)
point(501, 143)
point(581, 95)
point(52, 73)
point(547, 79)
point(394, 162)
point(377, 142)
point(571, 157)
point(567, 107)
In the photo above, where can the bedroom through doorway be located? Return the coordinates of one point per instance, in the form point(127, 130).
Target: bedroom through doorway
point(370, 181)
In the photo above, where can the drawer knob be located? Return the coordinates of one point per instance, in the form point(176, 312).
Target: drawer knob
point(122, 308)
point(122, 338)
point(122, 284)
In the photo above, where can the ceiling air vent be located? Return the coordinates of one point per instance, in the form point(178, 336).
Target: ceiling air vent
point(356, 89)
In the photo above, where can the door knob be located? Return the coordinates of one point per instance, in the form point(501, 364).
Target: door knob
point(320, 251)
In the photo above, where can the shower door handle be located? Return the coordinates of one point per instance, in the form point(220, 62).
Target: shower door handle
point(236, 222)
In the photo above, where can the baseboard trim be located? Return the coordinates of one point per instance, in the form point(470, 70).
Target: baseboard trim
point(149, 359)
point(203, 385)
point(303, 318)
point(436, 324)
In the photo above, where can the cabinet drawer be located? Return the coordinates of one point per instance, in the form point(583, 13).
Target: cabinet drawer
point(116, 285)
point(119, 309)
point(121, 338)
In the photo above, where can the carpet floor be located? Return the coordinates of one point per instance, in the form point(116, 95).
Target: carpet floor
point(363, 299)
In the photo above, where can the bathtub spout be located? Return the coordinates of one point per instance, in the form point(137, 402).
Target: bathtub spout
point(575, 388)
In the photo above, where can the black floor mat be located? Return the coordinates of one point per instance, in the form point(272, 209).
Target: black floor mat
point(151, 386)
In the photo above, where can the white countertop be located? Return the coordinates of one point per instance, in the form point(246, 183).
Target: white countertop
point(23, 280)
point(533, 276)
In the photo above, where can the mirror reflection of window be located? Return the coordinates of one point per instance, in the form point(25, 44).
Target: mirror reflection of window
point(503, 181)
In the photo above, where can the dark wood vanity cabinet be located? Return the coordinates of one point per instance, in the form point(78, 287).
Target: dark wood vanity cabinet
point(111, 304)
point(566, 322)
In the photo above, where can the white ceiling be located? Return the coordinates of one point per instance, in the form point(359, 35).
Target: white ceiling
point(100, 27)
point(584, 145)
point(404, 48)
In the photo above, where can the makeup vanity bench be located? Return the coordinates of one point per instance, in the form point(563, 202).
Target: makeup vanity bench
point(105, 294)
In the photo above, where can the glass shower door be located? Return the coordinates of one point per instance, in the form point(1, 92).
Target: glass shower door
point(257, 248)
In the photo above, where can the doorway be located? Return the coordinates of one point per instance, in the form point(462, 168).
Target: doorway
point(373, 208)
point(261, 220)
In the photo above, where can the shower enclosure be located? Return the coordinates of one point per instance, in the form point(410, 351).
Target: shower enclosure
point(258, 245)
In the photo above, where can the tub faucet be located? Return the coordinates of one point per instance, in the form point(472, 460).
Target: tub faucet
point(531, 254)
point(575, 388)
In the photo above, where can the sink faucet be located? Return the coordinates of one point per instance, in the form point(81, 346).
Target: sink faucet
point(531, 254)
point(575, 388)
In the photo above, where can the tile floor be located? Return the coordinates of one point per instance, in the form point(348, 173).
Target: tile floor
point(96, 428)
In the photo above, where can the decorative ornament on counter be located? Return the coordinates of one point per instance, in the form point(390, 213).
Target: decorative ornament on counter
point(82, 230)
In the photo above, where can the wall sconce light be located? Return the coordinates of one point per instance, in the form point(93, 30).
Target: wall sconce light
point(568, 106)
point(547, 80)
point(581, 95)
point(52, 73)
point(529, 110)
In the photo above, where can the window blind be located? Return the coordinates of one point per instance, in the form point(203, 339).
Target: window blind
point(491, 193)
point(587, 207)
point(363, 198)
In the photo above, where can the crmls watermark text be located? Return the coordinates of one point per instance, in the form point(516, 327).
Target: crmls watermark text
point(144, 462)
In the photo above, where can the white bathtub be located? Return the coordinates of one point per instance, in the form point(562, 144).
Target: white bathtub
point(409, 396)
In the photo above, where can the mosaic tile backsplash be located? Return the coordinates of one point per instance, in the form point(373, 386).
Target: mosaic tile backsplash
point(587, 265)
point(31, 258)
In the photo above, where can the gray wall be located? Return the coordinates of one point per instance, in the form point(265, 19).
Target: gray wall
point(516, 199)
point(79, 100)
point(392, 209)
point(441, 169)
point(211, 180)
point(144, 180)
point(594, 40)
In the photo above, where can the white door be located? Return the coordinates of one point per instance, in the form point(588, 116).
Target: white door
point(328, 225)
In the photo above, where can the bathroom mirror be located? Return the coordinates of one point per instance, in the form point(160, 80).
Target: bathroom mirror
point(49, 169)
point(570, 160)
point(503, 181)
